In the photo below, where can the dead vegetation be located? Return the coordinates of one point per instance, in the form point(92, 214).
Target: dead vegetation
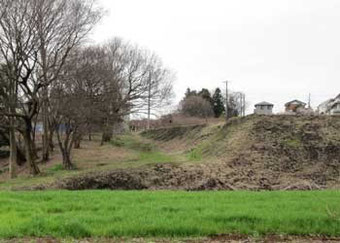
point(252, 153)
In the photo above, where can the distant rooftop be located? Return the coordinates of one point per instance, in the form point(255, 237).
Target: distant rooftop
point(295, 101)
point(264, 103)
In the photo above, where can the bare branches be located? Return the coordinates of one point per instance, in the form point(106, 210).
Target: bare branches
point(66, 85)
point(36, 37)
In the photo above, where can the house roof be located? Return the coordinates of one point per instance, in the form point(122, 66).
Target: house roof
point(264, 103)
point(335, 103)
point(295, 101)
point(330, 102)
point(327, 102)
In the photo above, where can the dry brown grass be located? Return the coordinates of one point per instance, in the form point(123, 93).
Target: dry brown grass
point(90, 155)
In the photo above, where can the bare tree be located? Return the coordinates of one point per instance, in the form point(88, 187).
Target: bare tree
point(36, 37)
point(159, 89)
point(235, 104)
point(8, 97)
point(139, 83)
point(61, 25)
point(99, 86)
point(67, 116)
point(18, 45)
point(196, 106)
point(76, 99)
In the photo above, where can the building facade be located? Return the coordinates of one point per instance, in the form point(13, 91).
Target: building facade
point(264, 108)
point(295, 106)
point(330, 107)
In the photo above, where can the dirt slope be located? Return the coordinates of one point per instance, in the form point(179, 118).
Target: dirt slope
point(273, 152)
point(255, 152)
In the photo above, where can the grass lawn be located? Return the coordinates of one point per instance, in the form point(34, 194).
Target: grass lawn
point(167, 213)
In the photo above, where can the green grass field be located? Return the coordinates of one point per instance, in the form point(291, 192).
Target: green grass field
point(80, 214)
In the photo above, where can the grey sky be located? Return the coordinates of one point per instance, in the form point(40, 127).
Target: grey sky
point(273, 50)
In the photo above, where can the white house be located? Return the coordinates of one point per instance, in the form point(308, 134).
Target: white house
point(330, 107)
point(335, 108)
point(264, 108)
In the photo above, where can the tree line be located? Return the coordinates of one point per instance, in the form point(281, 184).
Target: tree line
point(203, 104)
point(49, 74)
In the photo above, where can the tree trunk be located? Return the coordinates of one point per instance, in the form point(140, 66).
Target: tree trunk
point(107, 135)
point(65, 149)
point(44, 108)
point(77, 137)
point(67, 163)
point(13, 156)
point(13, 159)
point(90, 132)
point(20, 151)
point(34, 169)
point(77, 143)
point(50, 142)
point(46, 129)
point(46, 142)
point(34, 150)
point(21, 158)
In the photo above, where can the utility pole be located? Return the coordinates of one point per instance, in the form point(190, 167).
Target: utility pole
point(309, 100)
point(240, 103)
point(226, 100)
point(244, 104)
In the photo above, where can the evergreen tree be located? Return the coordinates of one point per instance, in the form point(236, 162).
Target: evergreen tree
point(217, 102)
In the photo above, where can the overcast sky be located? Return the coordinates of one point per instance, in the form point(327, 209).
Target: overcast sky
point(273, 51)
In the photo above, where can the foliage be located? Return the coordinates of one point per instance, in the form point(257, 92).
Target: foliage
point(201, 104)
point(205, 94)
point(217, 101)
point(82, 214)
point(190, 92)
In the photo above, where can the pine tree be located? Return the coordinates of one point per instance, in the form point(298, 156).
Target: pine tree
point(217, 102)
